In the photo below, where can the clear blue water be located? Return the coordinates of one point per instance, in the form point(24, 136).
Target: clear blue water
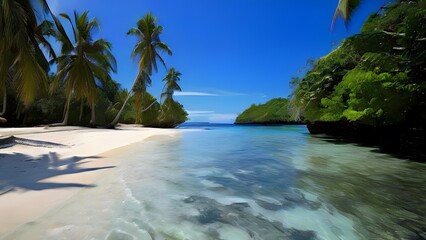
point(250, 182)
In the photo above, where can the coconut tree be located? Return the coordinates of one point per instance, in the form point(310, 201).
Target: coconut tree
point(172, 113)
point(170, 84)
point(83, 63)
point(146, 51)
point(22, 60)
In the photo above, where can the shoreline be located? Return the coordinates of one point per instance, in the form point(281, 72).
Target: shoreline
point(49, 176)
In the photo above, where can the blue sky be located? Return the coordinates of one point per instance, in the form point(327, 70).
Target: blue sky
point(231, 53)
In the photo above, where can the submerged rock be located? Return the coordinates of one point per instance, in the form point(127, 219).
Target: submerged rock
point(239, 216)
point(294, 196)
point(286, 200)
point(269, 203)
point(240, 206)
point(189, 200)
point(269, 206)
point(209, 215)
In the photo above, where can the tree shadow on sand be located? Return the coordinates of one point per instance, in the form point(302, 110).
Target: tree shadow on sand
point(22, 171)
point(11, 141)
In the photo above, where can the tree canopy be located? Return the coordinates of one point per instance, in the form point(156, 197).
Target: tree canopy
point(375, 77)
point(275, 111)
point(82, 82)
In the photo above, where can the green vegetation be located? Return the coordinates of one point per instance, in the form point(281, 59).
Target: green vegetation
point(150, 113)
point(81, 90)
point(275, 111)
point(82, 63)
point(23, 63)
point(146, 51)
point(375, 77)
point(310, 94)
point(173, 112)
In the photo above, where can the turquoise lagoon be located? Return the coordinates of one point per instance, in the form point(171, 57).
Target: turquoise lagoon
point(245, 182)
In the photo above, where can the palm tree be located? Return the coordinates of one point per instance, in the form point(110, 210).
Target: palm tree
point(146, 51)
point(172, 113)
point(345, 9)
point(22, 60)
point(171, 84)
point(84, 62)
point(139, 92)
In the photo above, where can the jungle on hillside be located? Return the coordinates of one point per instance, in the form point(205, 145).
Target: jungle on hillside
point(372, 87)
point(275, 111)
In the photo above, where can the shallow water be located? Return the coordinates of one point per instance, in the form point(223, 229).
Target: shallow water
point(238, 182)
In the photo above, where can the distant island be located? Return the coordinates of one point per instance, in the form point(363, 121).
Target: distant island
point(275, 111)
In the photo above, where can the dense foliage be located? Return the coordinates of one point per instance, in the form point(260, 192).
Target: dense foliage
point(82, 63)
point(153, 114)
point(147, 53)
point(375, 77)
point(82, 91)
point(275, 111)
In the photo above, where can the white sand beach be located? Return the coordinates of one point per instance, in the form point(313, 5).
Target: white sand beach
point(36, 179)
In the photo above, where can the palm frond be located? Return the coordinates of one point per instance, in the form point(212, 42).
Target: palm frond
point(85, 64)
point(31, 76)
point(67, 17)
point(62, 36)
point(345, 9)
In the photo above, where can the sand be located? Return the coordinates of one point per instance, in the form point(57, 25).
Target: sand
point(48, 166)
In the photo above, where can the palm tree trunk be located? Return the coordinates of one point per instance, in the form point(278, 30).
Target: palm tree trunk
point(115, 121)
point(3, 120)
point(93, 120)
point(117, 118)
point(4, 102)
point(81, 111)
point(67, 110)
point(150, 105)
point(25, 120)
point(66, 113)
point(140, 114)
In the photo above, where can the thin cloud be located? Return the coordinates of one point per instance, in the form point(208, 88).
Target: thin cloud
point(229, 93)
point(195, 94)
point(199, 113)
point(213, 92)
